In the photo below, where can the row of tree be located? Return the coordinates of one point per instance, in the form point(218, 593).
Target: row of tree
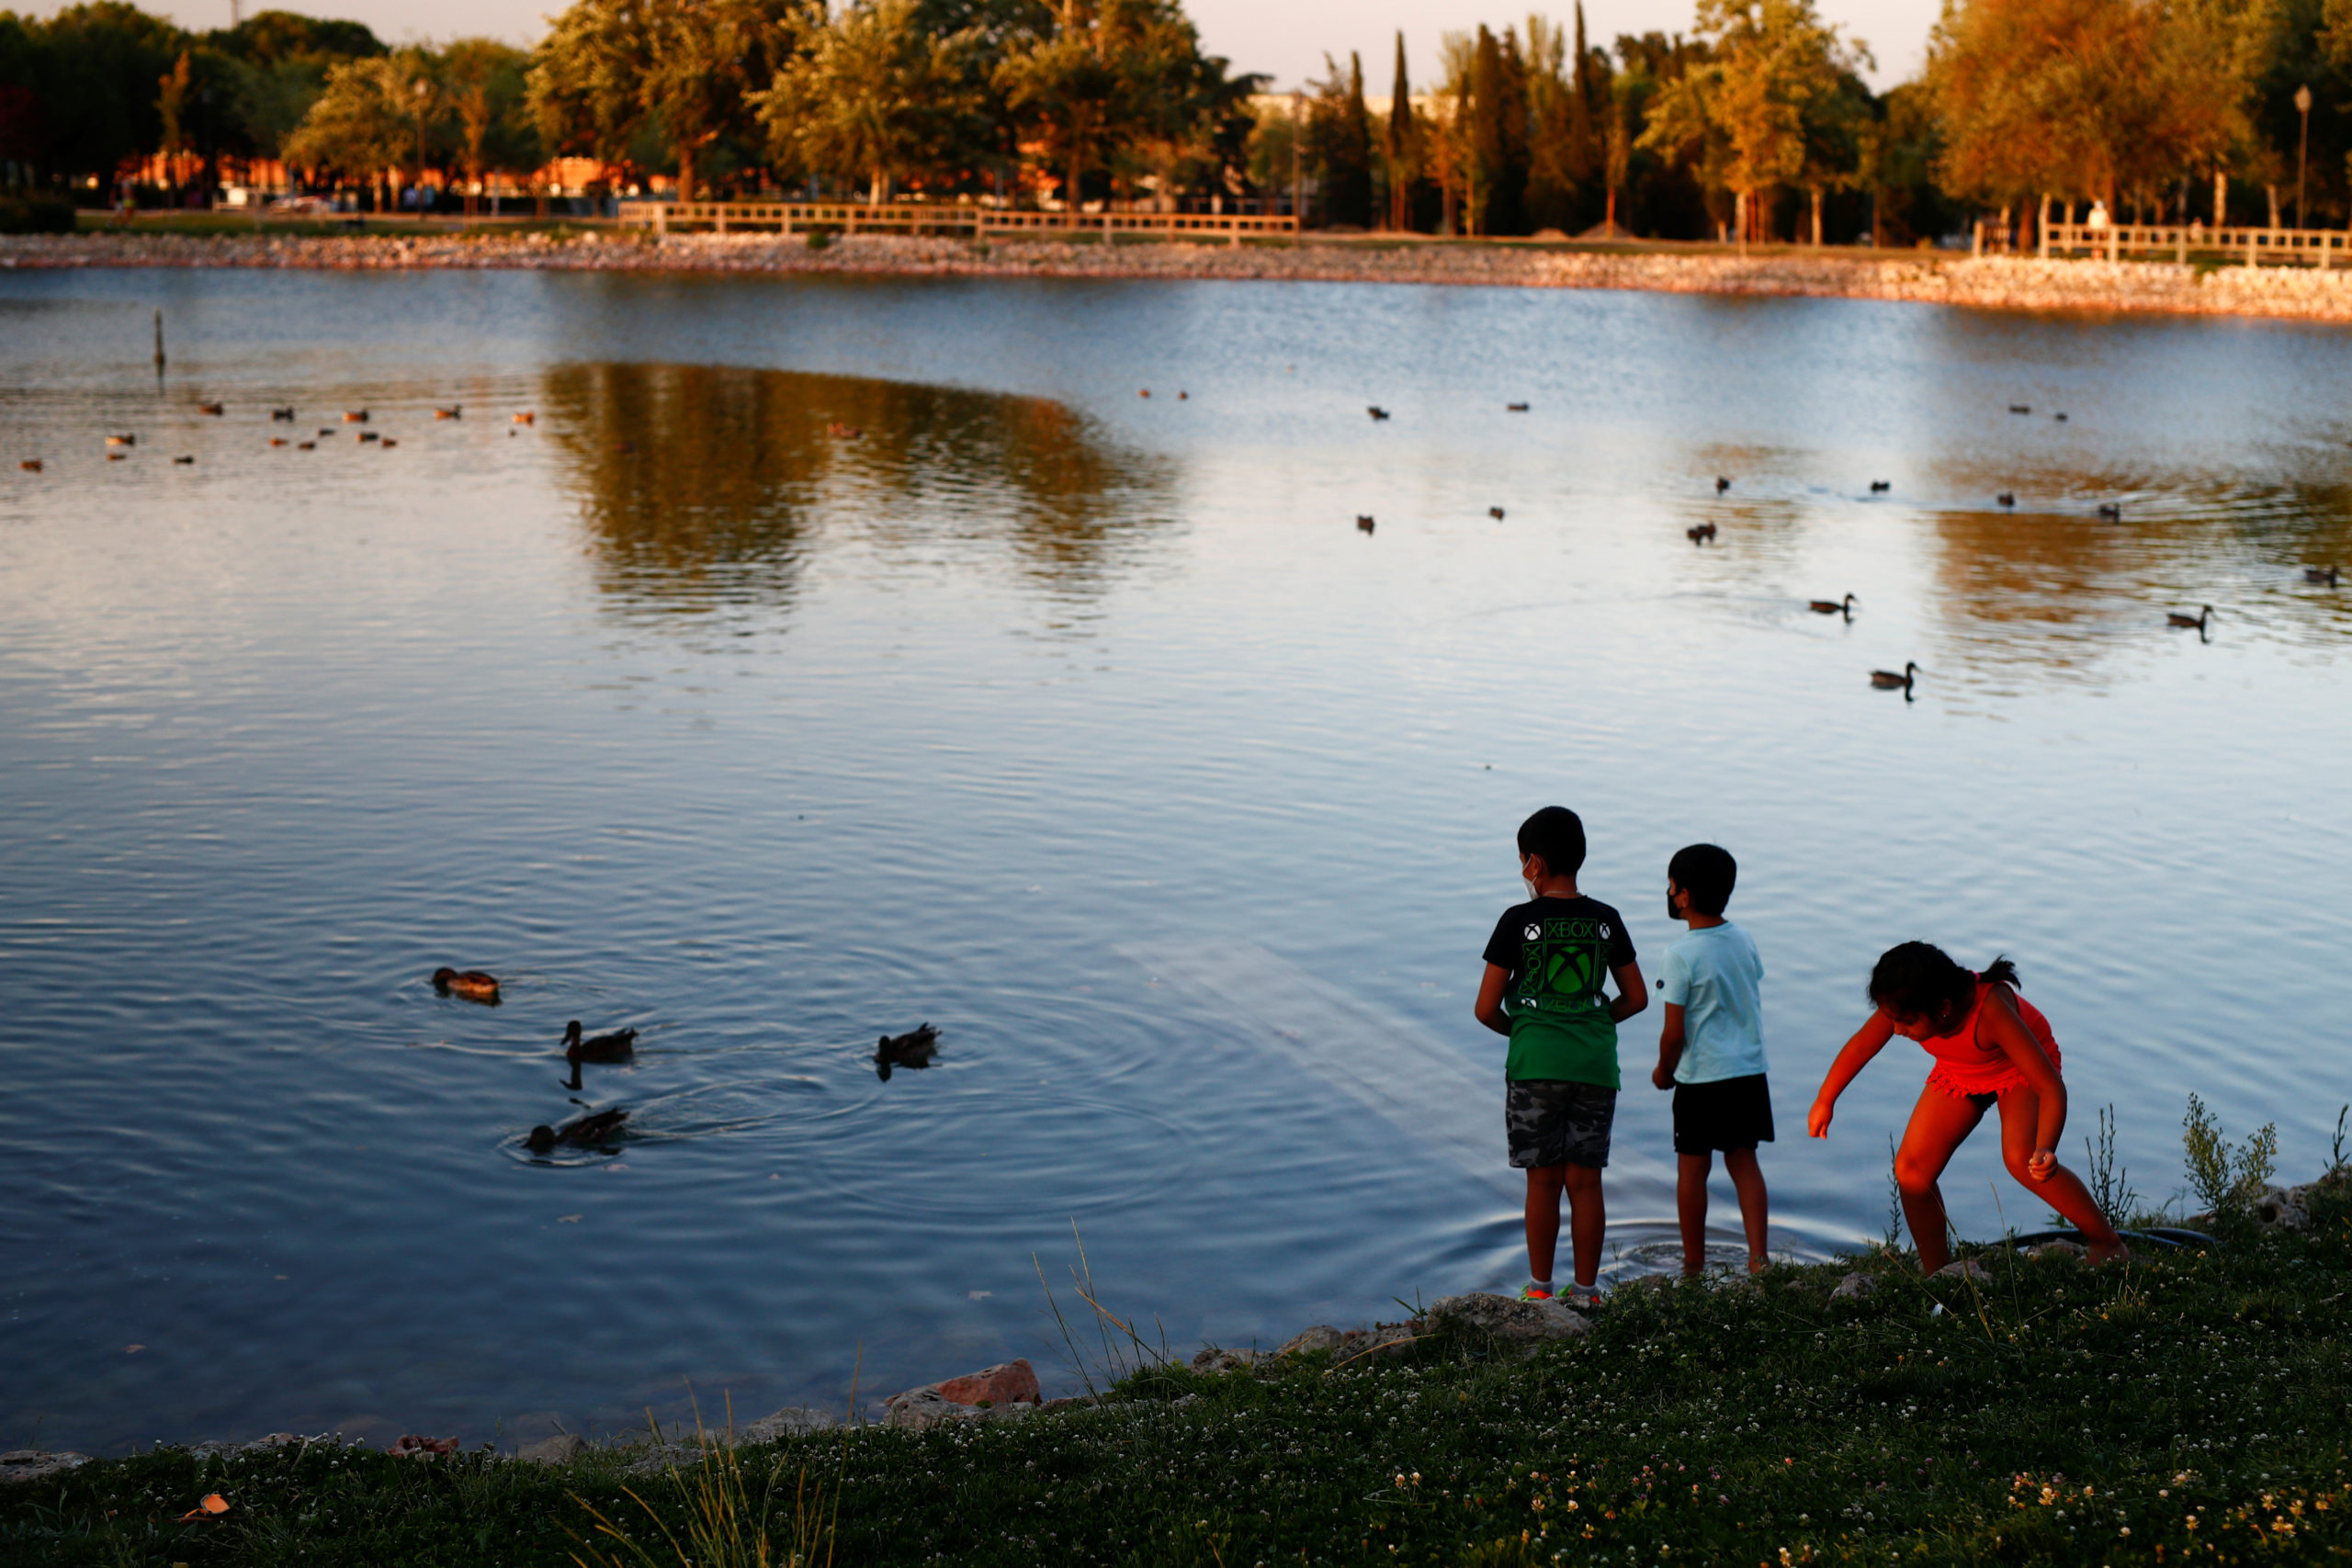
point(1758, 122)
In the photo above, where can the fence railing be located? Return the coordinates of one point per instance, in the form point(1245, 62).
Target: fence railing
point(908, 218)
point(2178, 242)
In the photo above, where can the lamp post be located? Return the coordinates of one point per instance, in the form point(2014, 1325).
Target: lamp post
point(2302, 149)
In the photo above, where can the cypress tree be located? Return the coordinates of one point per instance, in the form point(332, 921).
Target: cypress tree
point(1352, 159)
point(1580, 158)
point(1399, 146)
point(1486, 150)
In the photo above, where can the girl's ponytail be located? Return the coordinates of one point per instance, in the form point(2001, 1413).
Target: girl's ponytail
point(2000, 972)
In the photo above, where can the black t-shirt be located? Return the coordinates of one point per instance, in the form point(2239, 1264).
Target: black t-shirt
point(1557, 951)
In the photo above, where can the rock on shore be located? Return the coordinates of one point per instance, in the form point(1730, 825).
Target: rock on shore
point(1992, 282)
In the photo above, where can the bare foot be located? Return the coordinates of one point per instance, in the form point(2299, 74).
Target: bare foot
point(1757, 1263)
point(2109, 1251)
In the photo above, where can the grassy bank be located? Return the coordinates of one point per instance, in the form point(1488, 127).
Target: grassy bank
point(2188, 1406)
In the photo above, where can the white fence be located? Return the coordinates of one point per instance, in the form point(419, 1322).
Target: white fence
point(910, 218)
point(2178, 242)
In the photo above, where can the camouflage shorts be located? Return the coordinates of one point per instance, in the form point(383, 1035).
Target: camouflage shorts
point(1551, 1121)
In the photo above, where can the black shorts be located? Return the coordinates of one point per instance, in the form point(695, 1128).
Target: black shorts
point(1729, 1113)
point(1553, 1121)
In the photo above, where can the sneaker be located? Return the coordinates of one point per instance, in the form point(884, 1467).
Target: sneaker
point(1530, 1293)
point(1583, 1298)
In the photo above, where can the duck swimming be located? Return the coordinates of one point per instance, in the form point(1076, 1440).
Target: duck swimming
point(1832, 607)
point(619, 1046)
point(1701, 534)
point(1363, 522)
point(2324, 577)
point(472, 983)
point(1880, 487)
point(581, 1133)
point(914, 1049)
point(1888, 681)
point(215, 409)
point(1496, 513)
point(1722, 484)
point(2006, 497)
point(455, 410)
point(2194, 622)
point(1514, 408)
point(285, 413)
point(1377, 413)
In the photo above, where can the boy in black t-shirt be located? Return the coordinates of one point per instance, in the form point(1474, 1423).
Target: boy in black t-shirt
point(1545, 967)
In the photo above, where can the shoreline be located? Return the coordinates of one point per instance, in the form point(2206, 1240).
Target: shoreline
point(1997, 283)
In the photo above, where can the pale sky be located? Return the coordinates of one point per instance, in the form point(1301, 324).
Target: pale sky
point(1284, 38)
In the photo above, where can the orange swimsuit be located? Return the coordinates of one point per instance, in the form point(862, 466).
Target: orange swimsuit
point(1967, 1066)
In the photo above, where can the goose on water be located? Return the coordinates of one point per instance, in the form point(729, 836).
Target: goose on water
point(1377, 413)
point(474, 984)
point(1888, 681)
point(2324, 576)
point(580, 1133)
point(1363, 522)
point(285, 413)
point(1834, 607)
point(1880, 487)
point(2194, 622)
point(1722, 484)
point(1701, 534)
point(1496, 513)
point(1514, 408)
point(914, 1049)
point(215, 409)
point(2006, 497)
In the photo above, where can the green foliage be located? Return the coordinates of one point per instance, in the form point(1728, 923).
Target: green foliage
point(2227, 1178)
point(727, 1510)
point(2109, 1182)
point(869, 96)
point(2031, 1420)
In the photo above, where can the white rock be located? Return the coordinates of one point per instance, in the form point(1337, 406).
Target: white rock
point(37, 1464)
point(1322, 1336)
point(1854, 1287)
point(1518, 1322)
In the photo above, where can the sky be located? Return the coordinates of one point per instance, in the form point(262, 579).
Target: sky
point(1285, 39)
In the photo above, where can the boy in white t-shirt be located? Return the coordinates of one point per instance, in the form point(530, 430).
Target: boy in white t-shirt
point(1711, 1051)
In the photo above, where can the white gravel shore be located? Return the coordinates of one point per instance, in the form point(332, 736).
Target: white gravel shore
point(1993, 283)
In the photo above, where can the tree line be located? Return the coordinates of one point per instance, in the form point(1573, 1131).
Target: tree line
point(1756, 123)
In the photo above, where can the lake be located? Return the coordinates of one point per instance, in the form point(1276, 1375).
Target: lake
point(831, 656)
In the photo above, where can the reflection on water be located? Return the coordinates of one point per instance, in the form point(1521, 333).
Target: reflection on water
point(707, 485)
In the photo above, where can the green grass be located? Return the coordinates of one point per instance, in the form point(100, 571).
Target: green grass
point(2035, 1419)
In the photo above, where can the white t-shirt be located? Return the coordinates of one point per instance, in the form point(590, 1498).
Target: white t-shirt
point(1715, 975)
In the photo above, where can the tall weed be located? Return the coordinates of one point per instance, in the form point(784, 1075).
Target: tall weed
point(2228, 1177)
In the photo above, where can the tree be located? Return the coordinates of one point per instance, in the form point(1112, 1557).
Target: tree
point(1400, 146)
point(170, 105)
point(364, 124)
point(870, 95)
point(1497, 133)
point(487, 82)
point(1743, 111)
point(1552, 108)
point(1338, 144)
point(1107, 77)
point(612, 71)
point(2079, 98)
point(93, 71)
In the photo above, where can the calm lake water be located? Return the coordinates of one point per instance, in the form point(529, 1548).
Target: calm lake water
point(1088, 728)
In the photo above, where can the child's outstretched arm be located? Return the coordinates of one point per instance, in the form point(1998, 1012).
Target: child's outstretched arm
point(1489, 1008)
point(2008, 1032)
point(1867, 1042)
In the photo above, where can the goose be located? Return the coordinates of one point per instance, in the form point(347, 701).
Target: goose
point(582, 1131)
point(1722, 484)
point(1496, 513)
point(2194, 622)
point(914, 1049)
point(1832, 607)
point(188, 459)
point(2110, 511)
point(1363, 522)
point(1514, 408)
point(1888, 681)
point(285, 413)
point(455, 410)
point(474, 984)
point(215, 409)
point(328, 430)
point(30, 465)
point(2324, 577)
point(2020, 407)
point(1880, 487)
point(1701, 534)
point(619, 1046)
point(2059, 417)
point(1377, 413)
point(2006, 497)
point(526, 417)
point(354, 416)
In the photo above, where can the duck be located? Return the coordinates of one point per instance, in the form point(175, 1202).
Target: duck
point(30, 465)
point(285, 413)
point(1722, 484)
point(1514, 408)
point(843, 431)
point(581, 1132)
point(305, 446)
point(390, 443)
point(122, 441)
point(2020, 407)
point(1880, 487)
point(185, 459)
point(1888, 681)
point(1377, 413)
point(474, 984)
point(455, 410)
point(1143, 391)
point(277, 440)
point(354, 416)
point(2324, 577)
point(914, 1049)
point(328, 430)
point(2006, 497)
point(115, 457)
point(215, 409)
point(1363, 522)
point(2060, 416)
point(526, 417)
point(1496, 513)
point(2194, 622)
point(1701, 534)
point(1833, 607)
point(1182, 395)
point(367, 435)
point(2110, 511)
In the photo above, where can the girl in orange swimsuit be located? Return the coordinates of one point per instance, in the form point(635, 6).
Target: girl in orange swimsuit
point(1992, 1047)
